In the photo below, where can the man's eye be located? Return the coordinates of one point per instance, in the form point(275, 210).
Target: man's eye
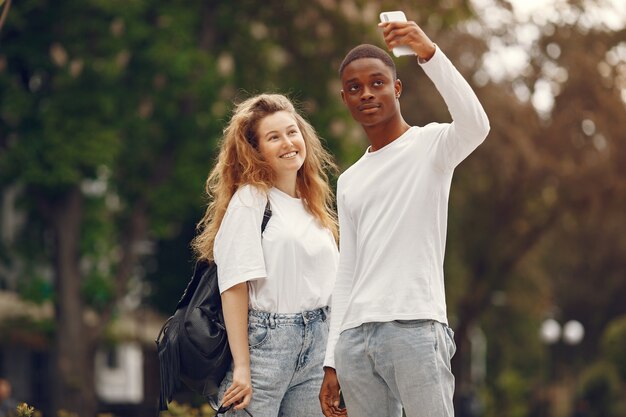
point(378, 83)
point(353, 88)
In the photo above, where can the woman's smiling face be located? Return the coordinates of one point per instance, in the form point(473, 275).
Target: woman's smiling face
point(281, 143)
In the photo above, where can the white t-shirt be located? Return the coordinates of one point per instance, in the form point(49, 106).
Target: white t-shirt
point(291, 269)
point(392, 206)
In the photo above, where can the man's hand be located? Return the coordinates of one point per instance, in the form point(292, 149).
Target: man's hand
point(329, 395)
point(408, 33)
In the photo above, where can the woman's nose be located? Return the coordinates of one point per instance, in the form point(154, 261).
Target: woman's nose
point(287, 141)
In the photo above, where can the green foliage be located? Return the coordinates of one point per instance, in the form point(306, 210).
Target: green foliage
point(599, 387)
point(98, 290)
point(23, 409)
point(512, 389)
point(36, 288)
point(38, 330)
point(176, 409)
point(124, 89)
point(614, 345)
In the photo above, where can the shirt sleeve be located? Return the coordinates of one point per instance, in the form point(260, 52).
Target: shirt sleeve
point(237, 250)
point(470, 124)
point(345, 274)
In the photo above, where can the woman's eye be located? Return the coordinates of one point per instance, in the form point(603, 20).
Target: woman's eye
point(353, 88)
point(378, 83)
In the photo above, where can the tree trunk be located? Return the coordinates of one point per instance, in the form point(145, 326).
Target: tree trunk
point(73, 382)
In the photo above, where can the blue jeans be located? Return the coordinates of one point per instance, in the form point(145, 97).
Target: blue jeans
point(286, 359)
point(383, 367)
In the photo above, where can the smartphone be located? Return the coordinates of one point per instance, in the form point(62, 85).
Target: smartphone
point(397, 16)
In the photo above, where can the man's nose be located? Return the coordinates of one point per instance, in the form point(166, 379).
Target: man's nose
point(366, 94)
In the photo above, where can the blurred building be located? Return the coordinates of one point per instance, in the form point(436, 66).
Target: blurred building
point(126, 369)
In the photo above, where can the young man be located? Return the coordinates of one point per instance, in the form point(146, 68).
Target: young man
point(389, 339)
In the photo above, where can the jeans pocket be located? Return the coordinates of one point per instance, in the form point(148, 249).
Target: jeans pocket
point(258, 335)
point(451, 342)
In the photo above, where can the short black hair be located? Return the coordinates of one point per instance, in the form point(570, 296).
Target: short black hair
point(367, 51)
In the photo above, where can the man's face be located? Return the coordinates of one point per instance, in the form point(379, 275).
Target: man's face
point(370, 91)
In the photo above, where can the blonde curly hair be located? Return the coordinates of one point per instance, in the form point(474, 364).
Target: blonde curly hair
point(239, 163)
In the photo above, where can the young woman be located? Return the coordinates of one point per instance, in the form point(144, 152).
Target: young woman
point(275, 286)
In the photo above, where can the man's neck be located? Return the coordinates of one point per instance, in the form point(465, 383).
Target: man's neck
point(382, 134)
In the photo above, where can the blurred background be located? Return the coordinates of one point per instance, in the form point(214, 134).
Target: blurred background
point(110, 116)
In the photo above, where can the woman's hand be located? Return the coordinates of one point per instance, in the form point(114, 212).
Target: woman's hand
point(240, 391)
point(235, 307)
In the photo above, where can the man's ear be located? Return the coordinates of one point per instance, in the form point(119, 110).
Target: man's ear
point(343, 97)
point(398, 87)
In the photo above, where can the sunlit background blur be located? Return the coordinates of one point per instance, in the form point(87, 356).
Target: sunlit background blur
point(110, 116)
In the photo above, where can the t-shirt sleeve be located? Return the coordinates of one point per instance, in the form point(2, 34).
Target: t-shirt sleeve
point(237, 250)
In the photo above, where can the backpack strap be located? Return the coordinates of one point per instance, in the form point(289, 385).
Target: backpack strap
point(266, 215)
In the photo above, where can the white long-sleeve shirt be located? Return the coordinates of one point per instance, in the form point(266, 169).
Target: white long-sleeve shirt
point(392, 206)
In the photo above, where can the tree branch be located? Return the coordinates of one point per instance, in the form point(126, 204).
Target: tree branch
point(5, 12)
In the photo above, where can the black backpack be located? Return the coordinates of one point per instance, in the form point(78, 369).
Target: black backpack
point(192, 344)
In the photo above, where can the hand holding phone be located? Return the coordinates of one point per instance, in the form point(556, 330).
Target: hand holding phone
point(397, 16)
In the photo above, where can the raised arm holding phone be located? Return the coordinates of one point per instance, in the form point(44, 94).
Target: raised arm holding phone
point(390, 345)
